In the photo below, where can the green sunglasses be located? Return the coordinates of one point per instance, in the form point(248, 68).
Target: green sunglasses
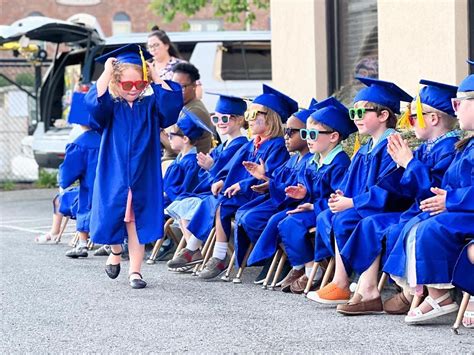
point(357, 114)
point(312, 134)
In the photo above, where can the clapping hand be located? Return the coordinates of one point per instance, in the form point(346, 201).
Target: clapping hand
point(297, 192)
point(256, 170)
point(399, 150)
point(436, 204)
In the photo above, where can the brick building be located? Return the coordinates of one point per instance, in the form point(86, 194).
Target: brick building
point(122, 16)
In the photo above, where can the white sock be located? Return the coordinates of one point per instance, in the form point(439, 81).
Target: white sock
point(307, 271)
point(193, 243)
point(166, 242)
point(82, 243)
point(298, 267)
point(220, 250)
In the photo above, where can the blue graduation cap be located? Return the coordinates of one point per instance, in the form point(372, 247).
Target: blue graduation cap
point(304, 113)
point(127, 54)
point(280, 103)
point(78, 112)
point(383, 93)
point(470, 61)
point(334, 114)
point(438, 95)
point(467, 84)
point(191, 125)
point(231, 105)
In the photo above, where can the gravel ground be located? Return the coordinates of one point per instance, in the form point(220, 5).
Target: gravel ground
point(51, 304)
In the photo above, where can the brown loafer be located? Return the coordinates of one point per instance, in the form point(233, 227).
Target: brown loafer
point(290, 278)
point(356, 306)
point(397, 304)
point(299, 285)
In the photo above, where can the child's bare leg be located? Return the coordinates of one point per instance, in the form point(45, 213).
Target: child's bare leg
point(183, 224)
point(368, 285)
point(114, 259)
point(434, 293)
point(192, 243)
point(468, 321)
point(220, 233)
point(57, 219)
point(340, 275)
point(470, 253)
point(135, 249)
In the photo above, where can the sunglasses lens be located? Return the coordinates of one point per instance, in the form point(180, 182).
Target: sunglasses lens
point(313, 135)
point(303, 134)
point(225, 119)
point(127, 85)
point(360, 113)
point(140, 85)
point(215, 119)
point(351, 113)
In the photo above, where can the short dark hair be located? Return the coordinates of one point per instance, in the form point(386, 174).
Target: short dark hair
point(187, 68)
point(392, 118)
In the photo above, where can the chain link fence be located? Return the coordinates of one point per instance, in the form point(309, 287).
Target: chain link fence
point(18, 117)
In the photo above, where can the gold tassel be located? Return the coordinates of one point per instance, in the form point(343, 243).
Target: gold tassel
point(356, 145)
point(419, 112)
point(404, 121)
point(144, 68)
point(249, 133)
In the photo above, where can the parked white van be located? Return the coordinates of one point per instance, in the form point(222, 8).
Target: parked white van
point(230, 62)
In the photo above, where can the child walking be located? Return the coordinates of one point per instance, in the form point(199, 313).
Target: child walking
point(128, 191)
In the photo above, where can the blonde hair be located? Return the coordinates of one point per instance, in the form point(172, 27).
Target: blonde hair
point(272, 120)
point(119, 68)
point(449, 122)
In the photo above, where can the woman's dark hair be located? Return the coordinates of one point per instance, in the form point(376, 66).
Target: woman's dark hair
point(187, 68)
point(163, 37)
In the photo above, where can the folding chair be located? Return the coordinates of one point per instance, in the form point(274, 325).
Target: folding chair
point(238, 277)
point(204, 250)
point(273, 265)
point(90, 244)
point(75, 239)
point(278, 271)
point(382, 282)
point(167, 233)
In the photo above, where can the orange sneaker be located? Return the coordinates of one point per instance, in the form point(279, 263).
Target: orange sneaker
point(330, 294)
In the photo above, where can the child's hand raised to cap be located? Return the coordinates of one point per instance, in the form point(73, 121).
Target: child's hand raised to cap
point(109, 65)
point(297, 192)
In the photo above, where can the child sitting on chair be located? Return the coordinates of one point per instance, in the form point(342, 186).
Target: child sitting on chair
point(325, 129)
point(430, 243)
point(229, 120)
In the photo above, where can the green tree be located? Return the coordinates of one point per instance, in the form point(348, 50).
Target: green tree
point(230, 10)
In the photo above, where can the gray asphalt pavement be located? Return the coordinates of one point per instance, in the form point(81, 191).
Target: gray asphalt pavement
point(52, 304)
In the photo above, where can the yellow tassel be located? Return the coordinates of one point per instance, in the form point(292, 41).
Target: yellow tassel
point(249, 133)
point(419, 112)
point(404, 121)
point(215, 142)
point(356, 145)
point(144, 68)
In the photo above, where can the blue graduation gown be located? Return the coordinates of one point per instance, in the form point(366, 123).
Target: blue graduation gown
point(181, 177)
point(130, 158)
point(292, 230)
point(440, 238)
point(463, 275)
point(68, 202)
point(221, 155)
point(273, 152)
point(252, 218)
point(80, 163)
point(379, 232)
point(366, 168)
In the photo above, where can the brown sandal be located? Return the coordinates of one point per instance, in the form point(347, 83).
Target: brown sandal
point(397, 304)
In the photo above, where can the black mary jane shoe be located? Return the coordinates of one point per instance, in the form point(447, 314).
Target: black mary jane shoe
point(137, 283)
point(113, 270)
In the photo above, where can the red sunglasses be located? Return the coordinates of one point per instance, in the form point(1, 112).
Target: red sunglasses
point(128, 85)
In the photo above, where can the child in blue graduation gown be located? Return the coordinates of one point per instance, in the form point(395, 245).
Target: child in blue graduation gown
point(182, 176)
point(416, 172)
point(326, 127)
point(430, 243)
point(358, 196)
point(265, 116)
point(229, 120)
point(264, 212)
point(128, 191)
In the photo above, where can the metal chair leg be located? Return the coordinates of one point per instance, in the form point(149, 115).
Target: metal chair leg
point(416, 301)
point(238, 277)
point(273, 265)
point(382, 282)
point(74, 240)
point(311, 278)
point(226, 276)
point(328, 273)
point(462, 309)
point(212, 242)
point(281, 264)
point(159, 243)
point(204, 250)
point(61, 231)
point(90, 245)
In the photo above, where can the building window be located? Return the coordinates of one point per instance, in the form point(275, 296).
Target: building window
point(205, 25)
point(355, 38)
point(121, 23)
point(246, 61)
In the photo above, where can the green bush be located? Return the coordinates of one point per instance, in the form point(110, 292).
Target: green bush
point(7, 185)
point(47, 179)
point(25, 79)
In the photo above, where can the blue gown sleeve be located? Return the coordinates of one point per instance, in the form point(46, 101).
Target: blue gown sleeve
point(180, 179)
point(101, 109)
point(460, 199)
point(335, 177)
point(277, 185)
point(238, 158)
point(168, 103)
point(73, 166)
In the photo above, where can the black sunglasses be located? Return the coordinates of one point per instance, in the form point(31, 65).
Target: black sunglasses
point(290, 131)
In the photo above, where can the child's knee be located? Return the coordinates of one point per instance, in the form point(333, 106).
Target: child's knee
point(470, 253)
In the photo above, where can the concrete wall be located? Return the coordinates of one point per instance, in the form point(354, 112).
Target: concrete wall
point(423, 39)
point(299, 55)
